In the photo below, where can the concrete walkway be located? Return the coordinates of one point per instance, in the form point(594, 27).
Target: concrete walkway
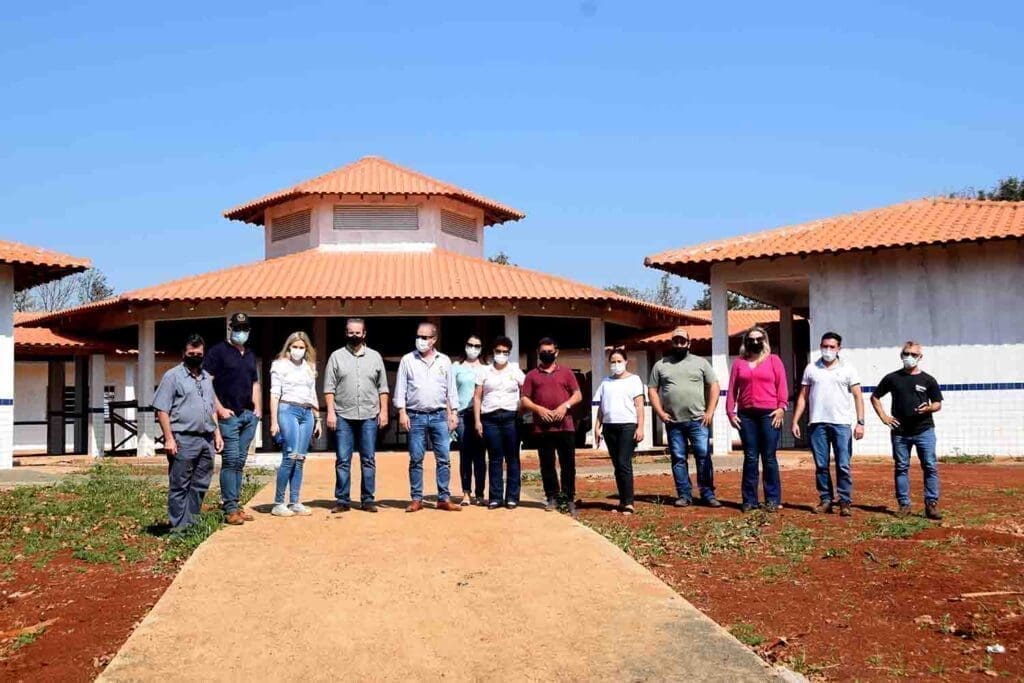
point(475, 595)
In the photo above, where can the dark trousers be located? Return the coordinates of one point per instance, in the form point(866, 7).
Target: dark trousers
point(760, 441)
point(621, 440)
point(471, 455)
point(188, 474)
point(564, 445)
point(502, 441)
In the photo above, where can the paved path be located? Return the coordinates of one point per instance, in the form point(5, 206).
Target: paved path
point(475, 595)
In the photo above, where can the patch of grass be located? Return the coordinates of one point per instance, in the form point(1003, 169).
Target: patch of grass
point(27, 638)
point(529, 476)
point(831, 553)
point(963, 459)
point(733, 535)
point(937, 669)
point(641, 544)
point(875, 660)
point(1012, 492)
point(776, 571)
point(794, 541)
point(946, 625)
point(801, 665)
point(746, 634)
point(895, 527)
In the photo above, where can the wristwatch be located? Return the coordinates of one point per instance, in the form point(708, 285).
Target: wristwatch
point(860, 422)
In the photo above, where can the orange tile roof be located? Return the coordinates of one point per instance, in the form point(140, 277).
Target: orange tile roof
point(914, 223)
point(34, 265)
point(42, 340)
point(373, 175)
point(739, 322)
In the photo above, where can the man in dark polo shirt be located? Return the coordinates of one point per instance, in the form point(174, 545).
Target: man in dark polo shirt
point(237, 389)
point(549, 392)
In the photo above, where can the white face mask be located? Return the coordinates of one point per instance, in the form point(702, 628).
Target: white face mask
point(422, 345)
point(500, 358)
point(829, 355)
point(618, 368)
point(909, 362)
point(297, 353)
point(240, 336)
point(472, 353)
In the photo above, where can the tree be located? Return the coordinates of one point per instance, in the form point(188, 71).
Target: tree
point(501, 258)
point(623, 290)
point(1009, 189)
point(93, 286)
point(23, 301)
point(665, 293)
point(71, 290)
point(736, 302)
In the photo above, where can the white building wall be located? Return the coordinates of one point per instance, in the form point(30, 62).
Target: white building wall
point(6, 367)
point(965, 304)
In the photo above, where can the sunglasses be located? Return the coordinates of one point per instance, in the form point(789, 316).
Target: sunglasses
point(909, 354)
point(474, 346)
point(425, 336)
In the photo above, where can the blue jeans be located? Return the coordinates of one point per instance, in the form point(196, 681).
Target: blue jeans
point(188, 474)
point(238, 432)
point(838, 437)
point(502, 439)
point(352, 435)
point(760, 441)
point(434, 424)
point(296, 424)
point(925, 444)
point(682, 435)
point(471, 455)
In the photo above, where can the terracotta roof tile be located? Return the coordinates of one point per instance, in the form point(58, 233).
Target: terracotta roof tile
point(40, 340)
point(918, 222)
point(34, 265)
point(739, 322)
point(373, 175)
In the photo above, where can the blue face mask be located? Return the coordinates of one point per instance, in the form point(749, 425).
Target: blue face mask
point(239, 336)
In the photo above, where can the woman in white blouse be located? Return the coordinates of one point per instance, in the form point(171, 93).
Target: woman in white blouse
point(495, 406)
point(620, 422)
point(294, 417)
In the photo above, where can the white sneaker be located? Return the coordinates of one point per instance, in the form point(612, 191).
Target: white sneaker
point(281, 510)
point(300, 509)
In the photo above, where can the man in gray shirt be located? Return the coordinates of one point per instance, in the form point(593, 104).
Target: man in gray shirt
point(684, 393)
point(356, 391)
point(184, 402)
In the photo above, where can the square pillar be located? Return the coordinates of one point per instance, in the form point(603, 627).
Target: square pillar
point(512, 332)
point(97, 378)
point(6, 367)
point(597, 344)
point(786, 353)
point(81, 421)
point(722, 440)
point(55, 436)
point(145, 382)
point(322, 354)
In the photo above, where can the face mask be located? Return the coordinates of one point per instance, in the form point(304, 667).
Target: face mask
point(679, 353)
point(472, 353)
point(829, 355)
point(909, 362)
point(546, 357)
point(755, 345)
point(500, 358)
point(422, 345)
point(353, 340)
point(193, 362)
point(618, 368)
point(297, 354)
point(239, 336)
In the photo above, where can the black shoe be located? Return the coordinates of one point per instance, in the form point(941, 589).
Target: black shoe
point(747, 507)
point(823, 508)
point(931, 511)
point(340, 507)
point(682, 502)
point(511, 505)
point(494, 505)
point(771, 507)
point(711, 502)
point(903, 511)
point(845, 510)
point(369, 507)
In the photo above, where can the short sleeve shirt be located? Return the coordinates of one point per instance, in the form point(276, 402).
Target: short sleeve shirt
point(908, 392)
point(466, 376)
point(681, 386)
point(550, 390)
point(234, 373)
point(829, 392)
point(617, 399)
point(187, 399)
point(357, 381)
point(500, 388)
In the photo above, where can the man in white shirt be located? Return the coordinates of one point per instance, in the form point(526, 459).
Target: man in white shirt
point(828, 385)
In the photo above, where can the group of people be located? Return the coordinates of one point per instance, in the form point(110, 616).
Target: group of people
point(211, 403)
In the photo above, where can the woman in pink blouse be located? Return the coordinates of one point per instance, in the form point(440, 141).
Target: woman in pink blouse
point(756, 401)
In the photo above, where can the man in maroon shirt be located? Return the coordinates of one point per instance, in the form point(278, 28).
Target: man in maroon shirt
point(549, 392)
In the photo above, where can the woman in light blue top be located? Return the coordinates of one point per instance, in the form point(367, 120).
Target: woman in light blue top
point(472, 467)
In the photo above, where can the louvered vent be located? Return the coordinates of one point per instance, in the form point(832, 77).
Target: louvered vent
point(375, 217)
point(458, 225)
point(292, 225)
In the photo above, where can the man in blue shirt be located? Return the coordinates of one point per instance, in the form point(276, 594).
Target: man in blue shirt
point(237, 397)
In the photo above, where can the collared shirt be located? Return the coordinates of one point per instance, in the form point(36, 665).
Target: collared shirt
point(426, 384)
point(293, 382)
point(187, 399)
point(830, 392)
point(500, 388)
point(550, 389)
point(234, 374)
point(357, 380)
point(466, 375)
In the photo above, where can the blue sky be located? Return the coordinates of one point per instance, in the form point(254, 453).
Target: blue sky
point(620, 128)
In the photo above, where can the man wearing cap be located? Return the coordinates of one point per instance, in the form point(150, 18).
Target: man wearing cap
point(683, 390)
point(237, 392)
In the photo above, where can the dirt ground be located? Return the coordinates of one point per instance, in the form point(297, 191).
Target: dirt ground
point(863, 598)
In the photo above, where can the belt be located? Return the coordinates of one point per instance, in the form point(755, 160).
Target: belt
point(203, 435)
point(425, 412)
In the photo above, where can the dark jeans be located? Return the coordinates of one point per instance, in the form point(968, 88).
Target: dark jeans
point(188, 478)
point(350, 436)
point(564, 445)
point(471, 455)
point(839, 437)
point(621, 440)
point(683, 436)
point(502, 439)
point(238, 432)
point(760, 442)
point(925, 445)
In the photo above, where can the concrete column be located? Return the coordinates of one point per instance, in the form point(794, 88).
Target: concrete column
point(97, 379)
point(512, 332)
point(597, 363)
point(129, 413)
point(6, 367)
point(322, 354)
point(720, 359)
point(55, 434)
point(786, 352)
point(145, 381)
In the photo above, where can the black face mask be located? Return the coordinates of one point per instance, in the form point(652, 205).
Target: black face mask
point(755, 346)
point(679, 353)
point(354, 340)
point(193, 362)
point(546, 357)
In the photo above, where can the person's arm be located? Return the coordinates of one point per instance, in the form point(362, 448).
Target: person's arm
point(170, 445)
point(211, 363)
point(858, 404)
point(384, 416)
point(798, 412)
point(163, 399)
point(400, 383)
point(731, 393)
point(876, 402)
point(527, 403)
point(934, 399)
point(599, 420)
point(478, 398)
point(575, 397)
point(218, 438)
point(257, 401)
point(330, 389)
point(712, 392)
point(275, 397)
point(781, 391)
point(453, 399)
point(638, 403)
point(656, 407)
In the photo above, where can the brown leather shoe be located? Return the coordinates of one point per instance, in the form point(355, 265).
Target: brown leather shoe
point(234, 518)
point(245, 515)
point(448, 506)
point(414, 506)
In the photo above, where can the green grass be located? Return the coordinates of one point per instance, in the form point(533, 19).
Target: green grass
point(737, 536)
point(27, 638)
point(776, 571)
point(895, 527)
point(746, 634)
point(642, 544)
point(794, 542)
point(965, 459)
point(529, 476)
point(835, 553)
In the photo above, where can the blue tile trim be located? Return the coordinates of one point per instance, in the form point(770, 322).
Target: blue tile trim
point(973, 386)
point(6, 401)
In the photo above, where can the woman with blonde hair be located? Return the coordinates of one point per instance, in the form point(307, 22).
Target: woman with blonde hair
point(756, 403)
point(294, 417)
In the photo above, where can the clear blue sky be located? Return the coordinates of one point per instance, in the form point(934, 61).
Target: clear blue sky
point(620, 128)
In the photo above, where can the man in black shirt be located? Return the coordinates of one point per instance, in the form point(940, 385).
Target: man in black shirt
point(915, 397)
